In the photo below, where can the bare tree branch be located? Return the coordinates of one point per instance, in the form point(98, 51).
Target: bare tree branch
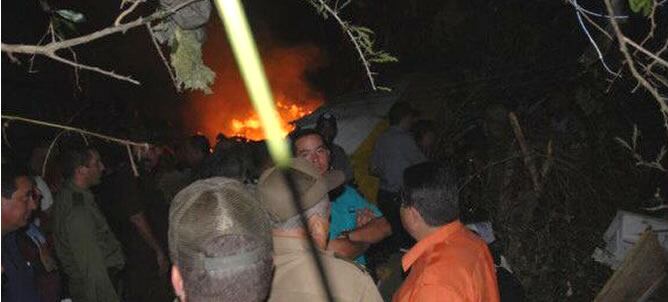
point(126, 12)
point(50, 49)
point(74, 129)
point(623, 41)
point(162, 56)
point(645, 51)
point(344, 26)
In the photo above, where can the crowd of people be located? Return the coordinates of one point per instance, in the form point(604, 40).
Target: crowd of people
point(223, 224)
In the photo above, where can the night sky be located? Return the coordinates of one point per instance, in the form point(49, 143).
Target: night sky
point(516, 43)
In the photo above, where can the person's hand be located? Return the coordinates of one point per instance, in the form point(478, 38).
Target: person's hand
point(163, 264)
point(364, 216)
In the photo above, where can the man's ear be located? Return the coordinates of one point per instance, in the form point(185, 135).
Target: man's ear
point(177, 282)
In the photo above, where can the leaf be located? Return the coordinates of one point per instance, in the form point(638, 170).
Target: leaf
point(186, 58)
point(71, 15)
point(641, 6)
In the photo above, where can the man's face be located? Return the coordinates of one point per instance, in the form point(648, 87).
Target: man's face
point(93, 169)
point(16, 211)
point(312, 148)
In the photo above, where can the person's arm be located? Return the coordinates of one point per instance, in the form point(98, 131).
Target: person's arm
point(146, 233)
point(373, 232)
point(345, 248)
point(95, 283)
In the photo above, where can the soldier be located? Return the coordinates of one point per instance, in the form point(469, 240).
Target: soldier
point(90, 254)
point(296, 275)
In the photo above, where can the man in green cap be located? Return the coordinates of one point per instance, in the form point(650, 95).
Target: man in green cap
point(90, 254)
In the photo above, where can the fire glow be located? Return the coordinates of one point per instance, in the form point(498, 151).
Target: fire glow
point(228, 109)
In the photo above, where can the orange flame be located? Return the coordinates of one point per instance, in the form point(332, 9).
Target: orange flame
point(229, 111)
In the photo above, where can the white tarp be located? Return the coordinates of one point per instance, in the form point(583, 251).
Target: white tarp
point(624, 232)
point(356, 115)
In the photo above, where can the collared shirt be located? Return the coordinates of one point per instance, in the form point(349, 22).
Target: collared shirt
point(85, 245)
point(344, 214)
point(394, 151)
point(452, 264)
point(18, 283)
point(296, 275)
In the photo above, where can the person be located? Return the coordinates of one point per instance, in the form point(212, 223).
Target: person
point(88, 251)
point(356, 223)
point(127, 206)
point(394, 151)
point(296, 276)
point(220, 243)
point(18, 202)
point(328, 128)
point(449, 262)
point(196, 152)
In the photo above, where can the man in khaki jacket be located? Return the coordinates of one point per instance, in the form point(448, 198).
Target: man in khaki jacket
point(296, 276)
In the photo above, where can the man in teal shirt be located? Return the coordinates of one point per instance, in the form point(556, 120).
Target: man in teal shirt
point(355, 222)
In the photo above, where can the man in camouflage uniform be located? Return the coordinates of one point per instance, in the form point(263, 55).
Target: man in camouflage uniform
point(90, 254)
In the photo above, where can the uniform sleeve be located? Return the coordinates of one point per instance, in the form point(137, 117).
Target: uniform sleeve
point(89, 258)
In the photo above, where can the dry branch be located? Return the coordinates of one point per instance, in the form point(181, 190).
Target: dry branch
point(528, 159)
point(74, 129)
point(50, 49)
point(358, 48)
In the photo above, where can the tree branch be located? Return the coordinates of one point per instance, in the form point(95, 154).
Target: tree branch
point(78, 130)
point(50, 49)
point(343, 25)
point(621, 38)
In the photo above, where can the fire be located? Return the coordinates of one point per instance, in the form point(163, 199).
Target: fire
point(251, 128)
point(229, 111)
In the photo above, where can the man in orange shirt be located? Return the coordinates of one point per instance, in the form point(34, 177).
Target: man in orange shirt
point(449, 262)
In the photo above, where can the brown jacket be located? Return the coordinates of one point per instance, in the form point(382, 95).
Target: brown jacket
point(296, 276)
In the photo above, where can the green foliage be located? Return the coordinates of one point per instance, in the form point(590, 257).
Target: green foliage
point(642, 6)
point(64, 22)
point(72, 16)
point(186, 58)
point(364, 36)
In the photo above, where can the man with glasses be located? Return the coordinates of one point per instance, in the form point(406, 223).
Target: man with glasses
point(356, 223)
point(18, 202)
point(88, 250)
point(448, 262)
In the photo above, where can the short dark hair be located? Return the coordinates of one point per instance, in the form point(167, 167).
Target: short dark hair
point(200, 143)
point(432, 190)
point(399, 111)
point(299, 133)
point(76, 157)
point(9, 175)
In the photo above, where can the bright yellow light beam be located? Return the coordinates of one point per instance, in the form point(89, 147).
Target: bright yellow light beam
point(252, 71)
